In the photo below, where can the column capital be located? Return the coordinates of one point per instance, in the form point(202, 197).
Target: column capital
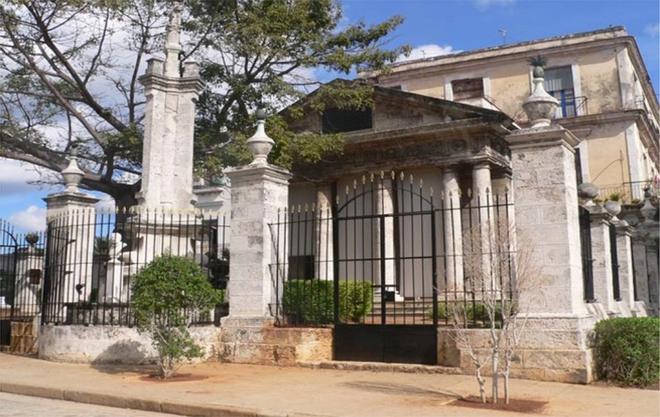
point(543, 137)
point(259, 172)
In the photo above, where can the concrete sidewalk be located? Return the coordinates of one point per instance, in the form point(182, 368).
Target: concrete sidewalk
point(245, 390)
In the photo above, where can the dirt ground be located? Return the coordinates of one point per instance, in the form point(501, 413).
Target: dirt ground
point(316, 392)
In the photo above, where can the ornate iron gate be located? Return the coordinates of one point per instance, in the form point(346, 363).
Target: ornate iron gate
point(385, 244)
point(386, 263)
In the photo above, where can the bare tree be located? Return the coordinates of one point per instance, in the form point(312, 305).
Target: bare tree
point(498, 271)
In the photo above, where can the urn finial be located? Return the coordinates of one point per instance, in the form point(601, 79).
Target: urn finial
point(72, 174)
point(260, 144)
point(539, 106)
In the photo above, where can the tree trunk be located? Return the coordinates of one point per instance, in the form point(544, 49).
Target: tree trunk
point(495, 360)
point(482, 386)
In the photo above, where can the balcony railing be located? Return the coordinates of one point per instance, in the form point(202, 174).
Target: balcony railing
point(629, 192)
point(572, 106)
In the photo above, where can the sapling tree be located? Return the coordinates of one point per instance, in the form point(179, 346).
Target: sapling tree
point(498, 271)
point(167, 294)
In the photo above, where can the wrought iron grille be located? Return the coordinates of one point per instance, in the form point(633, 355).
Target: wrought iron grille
point(21, 277)
point(92, 259)
point(387, 251)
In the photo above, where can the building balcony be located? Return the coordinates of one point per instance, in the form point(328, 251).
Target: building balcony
point(630, 192)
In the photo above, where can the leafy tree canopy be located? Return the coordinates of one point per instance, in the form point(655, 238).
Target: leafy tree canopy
point(69, 74)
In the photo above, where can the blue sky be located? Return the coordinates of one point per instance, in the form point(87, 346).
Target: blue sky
point(439, 25)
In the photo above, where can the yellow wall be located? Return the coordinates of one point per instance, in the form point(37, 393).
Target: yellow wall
point(608, 156)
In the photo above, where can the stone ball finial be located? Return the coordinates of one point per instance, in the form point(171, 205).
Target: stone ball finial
point(72, 174)
point(539, 106)
point(260, 144)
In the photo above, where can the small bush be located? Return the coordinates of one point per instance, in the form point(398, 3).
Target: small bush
point(473, 312)
point(167, 294)
point(627, 350)
point(312, 301)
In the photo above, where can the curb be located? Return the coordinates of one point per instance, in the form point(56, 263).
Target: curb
point(383, 367)
point(108, 400)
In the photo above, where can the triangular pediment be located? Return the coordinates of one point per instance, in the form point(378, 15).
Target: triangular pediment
point(392, 109)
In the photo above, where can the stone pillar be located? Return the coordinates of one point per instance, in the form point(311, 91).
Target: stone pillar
point(167, 161)
point(624, 257)
point(453, 233)
point(259, 190)
point(385, 205)
point(601, 253)
point(547, 224)
point(324, 233)
point(546, 213)
point(71, 215)
point(257, 193)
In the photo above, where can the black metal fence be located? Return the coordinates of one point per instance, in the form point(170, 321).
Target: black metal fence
point(21, 277)
point(387, 251)
point(93, 257)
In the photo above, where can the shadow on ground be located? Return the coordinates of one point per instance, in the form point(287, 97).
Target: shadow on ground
point(398, 389)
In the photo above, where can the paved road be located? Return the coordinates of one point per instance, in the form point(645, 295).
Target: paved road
point(20, 406)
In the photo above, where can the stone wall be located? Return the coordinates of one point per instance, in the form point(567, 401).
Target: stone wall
point(111, 344)
point(555, 350)
point(250, 341)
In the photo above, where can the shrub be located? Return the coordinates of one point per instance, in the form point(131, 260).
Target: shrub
point(627, 350)
point(167, 293)
point(473, 312)
point(312, 301)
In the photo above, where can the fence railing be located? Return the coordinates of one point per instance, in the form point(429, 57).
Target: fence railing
point(629, 192)
point(22, 257)
point(92, 259)
point(389, 252)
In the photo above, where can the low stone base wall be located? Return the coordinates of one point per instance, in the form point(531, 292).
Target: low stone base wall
point(111, 344)
point(552, 349)
point(260, 342)
point(24, 338)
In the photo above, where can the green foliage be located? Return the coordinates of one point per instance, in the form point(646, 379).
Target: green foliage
point(627, 350)
point(614, 197)
point(474, 313)
point(166, 294)
point(312, 301)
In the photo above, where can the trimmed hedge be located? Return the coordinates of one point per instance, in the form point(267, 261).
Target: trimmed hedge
point(627, 350)
point(312, 301)
point(474, 312)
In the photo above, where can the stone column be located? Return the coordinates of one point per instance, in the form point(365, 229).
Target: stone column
point(624, 257)
point(547, 225)
point(167, 161)
point(71, 215)
point(482, 228)
point(453, 233)
point(546, 213)
point(324, 232)
point(258, 191)
point(385, 205)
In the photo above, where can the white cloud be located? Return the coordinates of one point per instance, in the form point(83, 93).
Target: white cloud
point(483, 5)
point(652, 30)
point(427, 51)
point(106, 203)
point(31, 219)
point(15, 177)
